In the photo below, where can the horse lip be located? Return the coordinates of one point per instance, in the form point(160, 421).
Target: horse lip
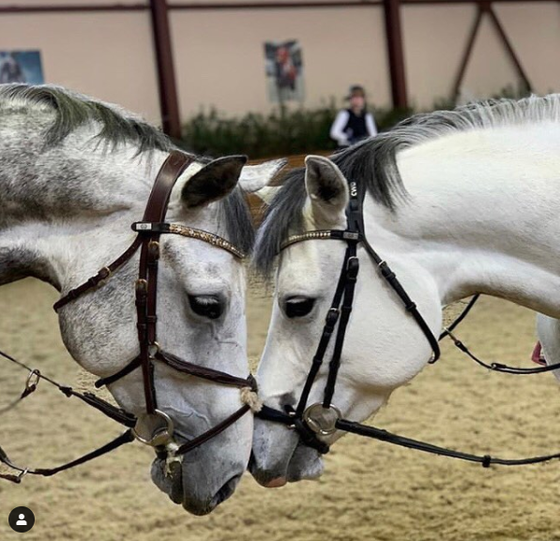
point(174, 479)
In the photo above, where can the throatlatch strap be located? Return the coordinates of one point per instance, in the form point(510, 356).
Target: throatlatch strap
point(100, 277)
point(409, 304)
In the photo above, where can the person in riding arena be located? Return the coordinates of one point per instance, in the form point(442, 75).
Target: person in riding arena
point(355, 123)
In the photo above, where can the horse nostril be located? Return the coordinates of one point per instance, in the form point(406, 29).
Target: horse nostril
point(227, 490)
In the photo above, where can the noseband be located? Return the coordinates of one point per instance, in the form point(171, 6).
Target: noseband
point(322, 419)
point(147, 240)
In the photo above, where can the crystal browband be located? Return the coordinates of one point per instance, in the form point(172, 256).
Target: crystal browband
point(321, 234)
point(191, 232)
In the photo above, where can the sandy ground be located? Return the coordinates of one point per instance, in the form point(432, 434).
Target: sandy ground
point(370, 491)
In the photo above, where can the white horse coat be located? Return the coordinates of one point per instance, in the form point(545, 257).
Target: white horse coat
point(467, 202)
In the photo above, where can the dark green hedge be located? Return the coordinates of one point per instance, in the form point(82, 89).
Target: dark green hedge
point(282, 132)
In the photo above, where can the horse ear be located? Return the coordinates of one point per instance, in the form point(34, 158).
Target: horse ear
point(267, 193)
point(256, 177)
point(326, 187)
point(214, 181)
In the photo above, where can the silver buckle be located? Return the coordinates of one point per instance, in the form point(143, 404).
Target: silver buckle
point(153, 350)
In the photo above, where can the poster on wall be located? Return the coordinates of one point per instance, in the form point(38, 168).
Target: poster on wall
point(284, 71)
point(21, 67)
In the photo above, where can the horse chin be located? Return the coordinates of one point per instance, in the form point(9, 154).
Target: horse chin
point(186, 490)
point(279, 457)
point(306, 463)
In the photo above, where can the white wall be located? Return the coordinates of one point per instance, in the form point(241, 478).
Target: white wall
point(219, 55)
point(105, 54)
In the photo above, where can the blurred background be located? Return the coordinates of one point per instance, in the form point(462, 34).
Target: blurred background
point(266, 77)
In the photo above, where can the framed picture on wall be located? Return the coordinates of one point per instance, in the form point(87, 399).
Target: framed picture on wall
point(21, 67)
point(284, 71)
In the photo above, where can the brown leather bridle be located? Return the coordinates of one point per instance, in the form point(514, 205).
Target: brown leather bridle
point(149, 231)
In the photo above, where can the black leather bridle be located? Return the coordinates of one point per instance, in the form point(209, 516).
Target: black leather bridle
point(149, 231)
point(323, 418)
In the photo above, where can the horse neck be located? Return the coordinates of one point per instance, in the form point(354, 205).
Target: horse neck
point(66, 210)
point(480, 215)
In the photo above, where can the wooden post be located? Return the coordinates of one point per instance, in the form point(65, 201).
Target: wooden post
point(395, 52)
point(510, 50)
point(169, 104)
point(468, 51)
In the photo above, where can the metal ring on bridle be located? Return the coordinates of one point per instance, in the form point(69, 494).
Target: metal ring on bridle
point(153, 349)
point(33, 380)
point(161, 436)
point(322, 420)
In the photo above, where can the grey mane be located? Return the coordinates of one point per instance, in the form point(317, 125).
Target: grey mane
point(72, 111)
point(373, 163)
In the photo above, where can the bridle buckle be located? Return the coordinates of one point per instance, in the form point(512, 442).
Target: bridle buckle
point(352, 268)
point(153, 349)
point(104, 274)
point(332, 317)
point(141, 286)
point(153, 250)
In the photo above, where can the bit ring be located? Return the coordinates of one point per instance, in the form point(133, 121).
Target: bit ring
point(161, 436)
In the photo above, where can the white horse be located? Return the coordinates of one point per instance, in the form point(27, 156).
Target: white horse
point(75, 173)
point(457, 203)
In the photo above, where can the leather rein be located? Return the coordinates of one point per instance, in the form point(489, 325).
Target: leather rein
point(148, 233)
point(323, 419)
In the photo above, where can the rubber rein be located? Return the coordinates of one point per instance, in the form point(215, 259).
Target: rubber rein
point(323, 419)
point(148, 233)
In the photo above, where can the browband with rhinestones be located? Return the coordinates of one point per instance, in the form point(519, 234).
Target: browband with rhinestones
point(320, 234)
point(191, 232)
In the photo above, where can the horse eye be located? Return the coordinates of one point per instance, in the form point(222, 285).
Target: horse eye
point(298, 306)
point(209, 306)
